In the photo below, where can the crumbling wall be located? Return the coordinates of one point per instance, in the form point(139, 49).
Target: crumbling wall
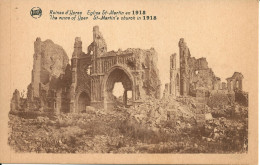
point(151, 80)
point(138, 65)
point(50, 60)
point(198, 80)
point(49, 64)
point(195, 73)
point(147, 77)
point(142, 65)
point(100, 46)
point(63, 97)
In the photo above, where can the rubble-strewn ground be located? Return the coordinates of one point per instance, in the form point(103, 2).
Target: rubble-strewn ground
point(159, 126)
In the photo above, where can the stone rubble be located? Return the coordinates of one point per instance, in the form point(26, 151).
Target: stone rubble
point(157, 126)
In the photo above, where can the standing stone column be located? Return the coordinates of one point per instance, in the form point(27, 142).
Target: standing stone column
point(184, 67)
point(74, 67)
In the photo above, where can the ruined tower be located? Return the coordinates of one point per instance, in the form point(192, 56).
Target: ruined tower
point(74, 66)
point(184, 67)
point(49, 62)
point(36, 72)
point(98, 46)
point(174, 76)
point(99, 49)
point(80, 86)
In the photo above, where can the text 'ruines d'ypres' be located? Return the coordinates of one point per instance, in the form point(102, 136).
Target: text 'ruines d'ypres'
point(100, 15)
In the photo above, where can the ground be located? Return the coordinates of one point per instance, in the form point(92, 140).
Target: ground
point(143, 129)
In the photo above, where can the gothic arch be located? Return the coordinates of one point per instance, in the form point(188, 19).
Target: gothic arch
point(117, 73)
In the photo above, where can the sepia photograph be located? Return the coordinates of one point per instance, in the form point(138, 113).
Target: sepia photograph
point(109, 102)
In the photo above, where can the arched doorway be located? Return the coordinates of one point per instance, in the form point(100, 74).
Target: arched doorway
point(115, 76)
point(83, 101)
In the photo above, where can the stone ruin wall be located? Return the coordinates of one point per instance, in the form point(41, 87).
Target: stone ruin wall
point(194, 73)
point(140, 64)
point(50, 77)
point(198, 80)
point(56, 85)
point(80, 80)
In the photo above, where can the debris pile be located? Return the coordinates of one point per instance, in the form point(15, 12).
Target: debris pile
point(169, 125)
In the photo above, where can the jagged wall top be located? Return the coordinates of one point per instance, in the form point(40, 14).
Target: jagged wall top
point(99, 42)
point(183, 47)
point(77, 47)
point(53, 58)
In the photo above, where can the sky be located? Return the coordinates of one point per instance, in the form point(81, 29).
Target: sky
point(225, 32)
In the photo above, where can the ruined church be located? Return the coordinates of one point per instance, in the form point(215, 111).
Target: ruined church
point(89, 79)
point(194, 78)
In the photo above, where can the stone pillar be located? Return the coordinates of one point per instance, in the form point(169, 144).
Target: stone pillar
point(36, 72)
point(184, 67)
point(74, 67)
